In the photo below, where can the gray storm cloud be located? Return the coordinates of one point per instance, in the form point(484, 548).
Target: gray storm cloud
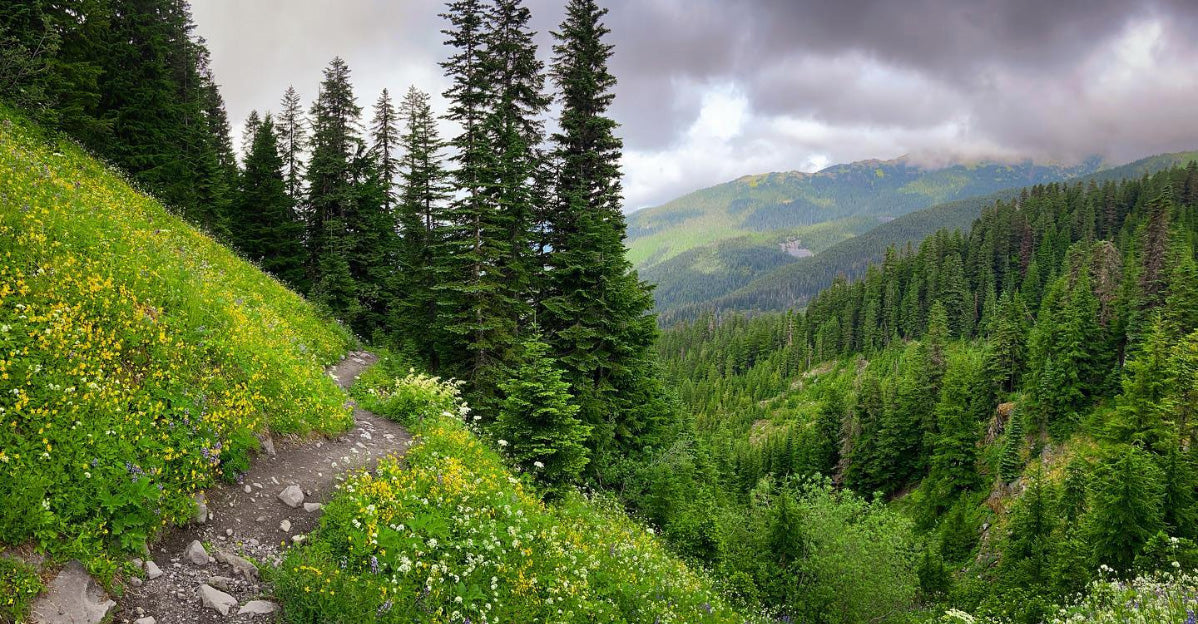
point(712, 90)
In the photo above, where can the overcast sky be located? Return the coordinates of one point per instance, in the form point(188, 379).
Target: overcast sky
point(709, 90)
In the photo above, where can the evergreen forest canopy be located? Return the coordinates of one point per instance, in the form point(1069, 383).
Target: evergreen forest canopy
point(1023, 393)
point(983, 422)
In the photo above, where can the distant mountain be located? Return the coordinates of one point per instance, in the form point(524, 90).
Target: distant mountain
point(791, 284)
point(713, 241)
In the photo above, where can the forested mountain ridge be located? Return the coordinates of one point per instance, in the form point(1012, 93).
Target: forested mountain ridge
point(1024, 391)
point(715, 240)
point(793, 282)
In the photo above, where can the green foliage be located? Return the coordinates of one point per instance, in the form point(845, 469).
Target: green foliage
point(450, 534)
point(20, 584)
point(140, 356)
point(816, 553)
point(537, 421)
point(1125, 497)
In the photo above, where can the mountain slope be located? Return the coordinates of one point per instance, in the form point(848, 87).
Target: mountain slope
point(791, 284)
point(140, 357)
point(715, 240)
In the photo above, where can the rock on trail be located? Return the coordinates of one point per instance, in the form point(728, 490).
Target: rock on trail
point(237, 525)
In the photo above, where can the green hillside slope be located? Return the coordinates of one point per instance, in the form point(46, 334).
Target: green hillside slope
point(791, 284)
point(715, 240)
point(138, 357)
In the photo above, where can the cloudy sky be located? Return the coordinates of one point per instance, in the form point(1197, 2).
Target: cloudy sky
point(712, 90)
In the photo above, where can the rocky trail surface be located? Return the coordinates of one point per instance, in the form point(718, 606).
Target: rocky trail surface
point(206, 572)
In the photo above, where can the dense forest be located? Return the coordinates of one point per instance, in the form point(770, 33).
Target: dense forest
point(1022, 393)
point(984, 421)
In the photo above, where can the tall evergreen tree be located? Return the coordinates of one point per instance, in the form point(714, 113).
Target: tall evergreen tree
point(292, 142)
point(1125, 497)
point(592, 303)
point(331, 192)
point(474, 310)
point(262, 221)
point(423, 220)
point(384, 145)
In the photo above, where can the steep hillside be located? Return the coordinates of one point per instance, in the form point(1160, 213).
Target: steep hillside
point(715, 240)
point(139, 359)
point(791, 284)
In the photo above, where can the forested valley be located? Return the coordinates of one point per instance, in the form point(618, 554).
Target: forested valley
point(994, 424)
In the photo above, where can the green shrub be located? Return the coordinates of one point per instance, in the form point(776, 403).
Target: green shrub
point(19, 585)
point(449, 534)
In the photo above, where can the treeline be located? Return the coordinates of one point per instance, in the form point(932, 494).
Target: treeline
point(1042, 364)
point(794, 284)
point(130, 81)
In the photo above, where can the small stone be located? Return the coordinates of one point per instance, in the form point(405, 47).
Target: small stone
point(135, 581)
point(312, 507)
point(216, 599)
point(260, 519)
point(145, 620)
point(285, 525)
point(136, 561)
point(257, 607)
point(268, 445)
point(196, 554)
point(248, 489)
point(298, 538)
point(253, 542)
point(139, 612)
point(152, 570)
point(241, 567)
point(229, 532)
point(292, 496)
point(222, 583)
point(201, 511)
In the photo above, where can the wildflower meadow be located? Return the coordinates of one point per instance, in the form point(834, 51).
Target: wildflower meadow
point(449, 533)
point(139, 359)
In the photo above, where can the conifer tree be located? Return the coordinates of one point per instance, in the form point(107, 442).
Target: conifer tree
point(1141, 411)
point(473, 308)
point(252, 122)
point(423, 219)
point(384, 146)
point(154, 92)
point(953, 464)
point(331, 193)
point(262, 221)
point(292, 142)
point(373, 246)
point(537, 421)
point(1125, 498)
point(592, 303)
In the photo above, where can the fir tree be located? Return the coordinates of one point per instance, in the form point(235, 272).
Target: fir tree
point(262, 222)
point(292, 142)
point(1125, 497)
point(475, 312)
point(538, 422)
point(592, 303)
point(423, 220)
point(331, 195)
point(384, 136)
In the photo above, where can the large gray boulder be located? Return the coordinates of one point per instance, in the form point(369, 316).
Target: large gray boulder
point(73, 597)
